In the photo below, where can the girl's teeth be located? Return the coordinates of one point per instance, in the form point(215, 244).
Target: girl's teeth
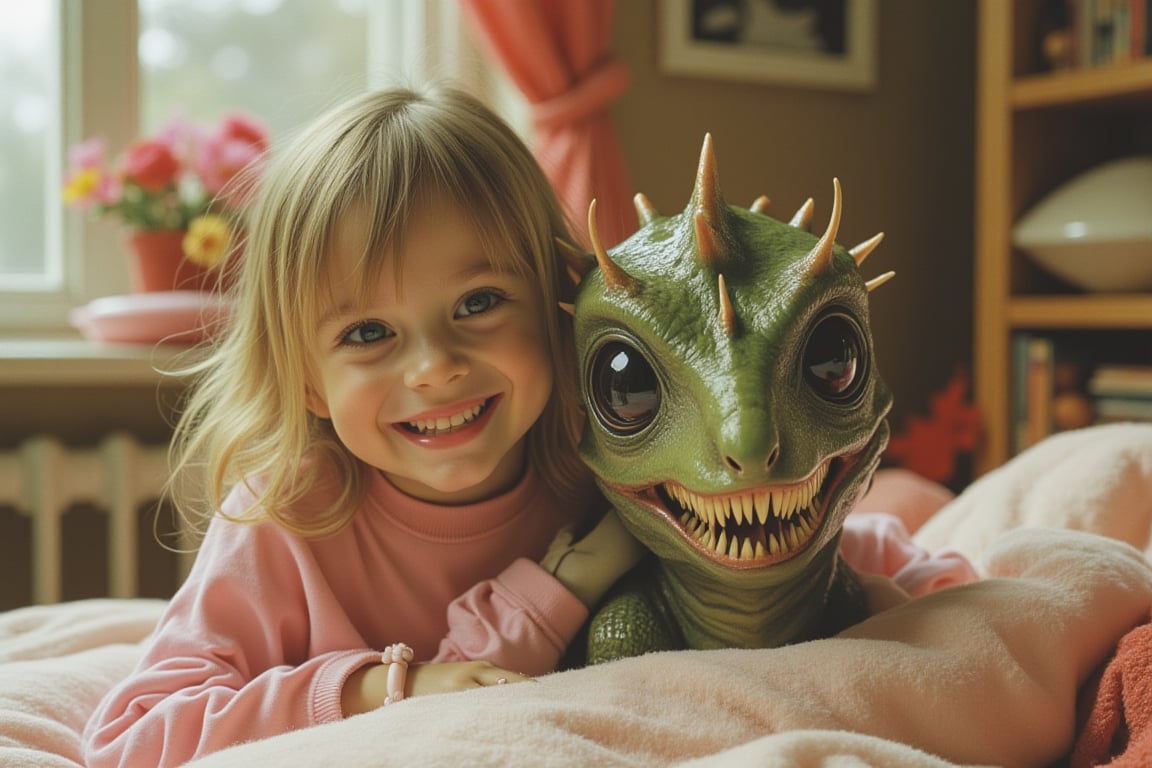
point(446, 423)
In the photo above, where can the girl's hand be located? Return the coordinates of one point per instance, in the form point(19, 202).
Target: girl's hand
point(590, 566)
point(457, 676)
point(366, 688)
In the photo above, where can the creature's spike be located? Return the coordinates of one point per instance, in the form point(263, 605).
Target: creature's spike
point(760, 204)
point(820, 258)
point(708, 207)
point(706, 241)
point(569, 308)
point(802, 219)
point(861, 251)
point(614, 276)
point(578, 262)
point(727, 312)
point(644, 209)
point(876, 282)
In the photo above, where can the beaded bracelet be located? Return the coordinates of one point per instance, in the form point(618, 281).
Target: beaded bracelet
point(396, 658)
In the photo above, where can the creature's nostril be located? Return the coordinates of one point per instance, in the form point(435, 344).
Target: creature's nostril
point(775, 454)
point(735, 465)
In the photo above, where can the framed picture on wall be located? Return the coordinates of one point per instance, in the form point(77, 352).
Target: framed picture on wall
point(814, 43)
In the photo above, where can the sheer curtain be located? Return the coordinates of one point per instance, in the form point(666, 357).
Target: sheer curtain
point(557, 53)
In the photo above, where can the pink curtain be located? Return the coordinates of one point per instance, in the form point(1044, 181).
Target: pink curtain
point(556, 52)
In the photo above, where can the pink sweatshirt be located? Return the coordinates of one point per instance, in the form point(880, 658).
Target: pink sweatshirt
point(261, 637)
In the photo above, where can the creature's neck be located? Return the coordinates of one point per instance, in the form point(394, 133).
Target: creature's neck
point(723, 613)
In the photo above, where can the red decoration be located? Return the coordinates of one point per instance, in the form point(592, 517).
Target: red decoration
point(929, 446)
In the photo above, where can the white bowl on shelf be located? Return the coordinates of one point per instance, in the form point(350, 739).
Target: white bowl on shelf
point(1095, 231)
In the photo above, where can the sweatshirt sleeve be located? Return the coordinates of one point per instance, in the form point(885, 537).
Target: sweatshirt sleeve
point(522, 620)
point(230, 660)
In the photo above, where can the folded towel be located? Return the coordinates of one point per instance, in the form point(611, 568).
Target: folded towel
point(1118, 730)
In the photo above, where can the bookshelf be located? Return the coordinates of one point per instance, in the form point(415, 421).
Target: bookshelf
point(1036, 128)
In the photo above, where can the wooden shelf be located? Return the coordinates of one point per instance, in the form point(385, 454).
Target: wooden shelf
point(1096, 115)
point(1119, 82)
point(1096, 311)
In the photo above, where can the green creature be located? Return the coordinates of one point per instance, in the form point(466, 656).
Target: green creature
point(735, 416)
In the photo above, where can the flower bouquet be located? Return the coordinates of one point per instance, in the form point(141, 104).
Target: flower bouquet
point(181, 193)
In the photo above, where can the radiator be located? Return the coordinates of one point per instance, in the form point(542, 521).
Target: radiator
point(43, 478)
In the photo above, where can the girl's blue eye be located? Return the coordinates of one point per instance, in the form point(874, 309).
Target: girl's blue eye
point(478, 303)
point(367, 332)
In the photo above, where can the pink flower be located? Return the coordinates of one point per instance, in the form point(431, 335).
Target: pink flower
point(151, 164)
point(182, 136)
point(237, 143)
point(88, 154)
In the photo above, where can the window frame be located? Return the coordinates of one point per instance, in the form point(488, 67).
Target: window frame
point(96, 86)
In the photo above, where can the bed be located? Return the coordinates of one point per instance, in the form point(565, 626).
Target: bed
point(1046, 660)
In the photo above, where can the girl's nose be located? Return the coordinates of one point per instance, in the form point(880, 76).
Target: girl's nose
point(434, 364)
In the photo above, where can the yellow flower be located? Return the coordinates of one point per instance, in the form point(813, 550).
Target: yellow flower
point(207, 240)
point(82, 186)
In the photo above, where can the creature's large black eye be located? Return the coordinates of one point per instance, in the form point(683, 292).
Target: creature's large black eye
point(623, 388)
point(834, 359)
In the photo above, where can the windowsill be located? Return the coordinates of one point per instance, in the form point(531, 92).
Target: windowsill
point(66, 360)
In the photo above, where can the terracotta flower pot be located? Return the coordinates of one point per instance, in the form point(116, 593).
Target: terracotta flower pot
point(158, 264)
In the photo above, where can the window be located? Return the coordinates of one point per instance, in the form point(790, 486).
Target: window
point(73, 69)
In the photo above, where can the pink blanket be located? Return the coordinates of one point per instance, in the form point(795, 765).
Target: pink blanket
point(980, 674)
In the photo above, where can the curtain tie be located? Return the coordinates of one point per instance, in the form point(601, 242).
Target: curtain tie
point(589, 96)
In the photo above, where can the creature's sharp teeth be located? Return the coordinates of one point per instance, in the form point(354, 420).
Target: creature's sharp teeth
point(739, 510)
point(723, 511)
point(722, 543)
point(773, 543)
point(746, 552)
point(777, 503)
point(763, 508)
point(759, 550)
point(734, 548)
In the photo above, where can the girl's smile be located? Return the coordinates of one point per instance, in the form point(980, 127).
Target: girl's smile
point(448, 427)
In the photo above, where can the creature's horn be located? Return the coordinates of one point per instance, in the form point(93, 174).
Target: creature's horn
point(760, 204)
point(708, 208)
point(728, 317)
point(802, 219)
point(614, 276)
point(644, 209)
point(861, 251)
point(820, 257)
point(878, 281)
point(578, 262)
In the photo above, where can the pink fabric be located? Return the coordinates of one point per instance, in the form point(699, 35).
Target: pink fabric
point(880, 544)
point(556, 52)
point(261, 637)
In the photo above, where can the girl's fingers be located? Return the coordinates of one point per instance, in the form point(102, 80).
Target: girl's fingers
point(501, 677)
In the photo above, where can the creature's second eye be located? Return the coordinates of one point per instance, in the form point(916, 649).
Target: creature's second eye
point(834, 359)
point(623, 388)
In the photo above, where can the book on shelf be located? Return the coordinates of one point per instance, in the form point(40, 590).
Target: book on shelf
point(1122, 392)
point(1103, 32)
point(1034, 383)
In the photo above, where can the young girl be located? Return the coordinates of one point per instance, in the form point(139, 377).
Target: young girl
point(395, 409)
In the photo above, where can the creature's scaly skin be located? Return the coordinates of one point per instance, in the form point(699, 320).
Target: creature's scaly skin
point(736, 414)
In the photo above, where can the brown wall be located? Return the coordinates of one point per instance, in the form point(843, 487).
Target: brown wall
point(903, 152)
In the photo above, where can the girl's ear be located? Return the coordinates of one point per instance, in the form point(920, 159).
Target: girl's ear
point(316, 403)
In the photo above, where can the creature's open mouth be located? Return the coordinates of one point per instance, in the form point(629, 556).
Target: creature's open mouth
point(753, 527)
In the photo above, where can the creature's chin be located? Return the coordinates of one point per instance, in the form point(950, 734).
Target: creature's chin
point(752, 528)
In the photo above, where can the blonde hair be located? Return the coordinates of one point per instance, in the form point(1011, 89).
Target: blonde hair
point(384, 153)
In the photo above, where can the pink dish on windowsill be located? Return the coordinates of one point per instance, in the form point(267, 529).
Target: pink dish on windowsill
point(169, 317)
